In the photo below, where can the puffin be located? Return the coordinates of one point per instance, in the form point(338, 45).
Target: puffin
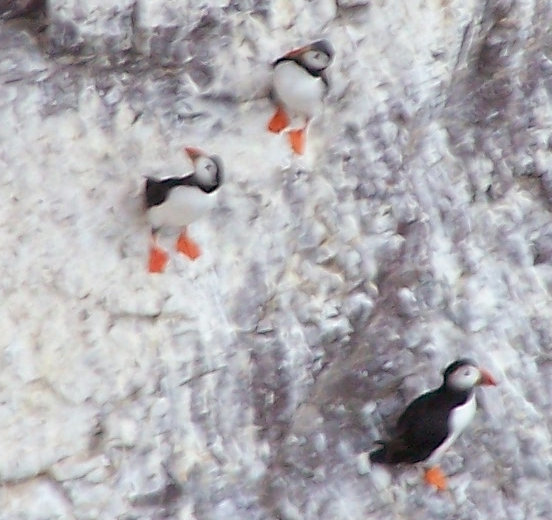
point(299, 85)
point(434, 420)
point(178, 201)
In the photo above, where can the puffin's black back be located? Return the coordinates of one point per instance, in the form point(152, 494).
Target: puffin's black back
point(156, 192)
point(421, 428)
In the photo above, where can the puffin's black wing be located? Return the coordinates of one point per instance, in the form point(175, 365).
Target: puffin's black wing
point(421, 428)
point(156, 192)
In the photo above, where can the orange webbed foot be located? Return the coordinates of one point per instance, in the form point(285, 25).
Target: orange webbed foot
point(187, 246)
point(297, 139)
point(157, 260)
point(279, 121)
point(435, 477)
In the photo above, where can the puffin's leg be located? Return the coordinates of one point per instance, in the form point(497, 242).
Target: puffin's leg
point(435, 477)
point(187, 246)
point(157, 257)
point(279, 120)
point(297, 138)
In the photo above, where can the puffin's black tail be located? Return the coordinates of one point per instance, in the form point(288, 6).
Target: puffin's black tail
point(379, 456)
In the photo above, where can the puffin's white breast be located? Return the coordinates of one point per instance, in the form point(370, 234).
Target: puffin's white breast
point(183, 205)
point(459, 418)
point(300, 92)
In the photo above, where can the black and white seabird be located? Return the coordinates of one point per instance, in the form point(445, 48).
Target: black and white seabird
point(178, 201)
point(433, 421)
point(299, 87)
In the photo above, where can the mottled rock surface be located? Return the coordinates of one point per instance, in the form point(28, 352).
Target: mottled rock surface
point(333, 288)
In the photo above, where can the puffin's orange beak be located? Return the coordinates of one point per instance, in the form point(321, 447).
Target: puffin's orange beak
point(486, 378)
point(297, 52)
point(193, 153)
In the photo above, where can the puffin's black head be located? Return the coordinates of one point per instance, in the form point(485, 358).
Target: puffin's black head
point(464, 374)
point(208, 171)
point(315, 57)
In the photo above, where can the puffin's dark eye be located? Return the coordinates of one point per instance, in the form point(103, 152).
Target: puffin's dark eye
point(467, 372)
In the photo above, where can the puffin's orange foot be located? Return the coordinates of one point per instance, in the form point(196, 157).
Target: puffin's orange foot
point(279, 121)
point(187, 246)
point(297, 140)
point(157, 260)
point(435, 477)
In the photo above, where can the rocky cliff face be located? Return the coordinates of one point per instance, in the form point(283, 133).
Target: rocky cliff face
point(333, 288)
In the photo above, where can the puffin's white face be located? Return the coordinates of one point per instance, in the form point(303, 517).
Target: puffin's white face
point(206, 170)
point(315, 59)
point(465, 377)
